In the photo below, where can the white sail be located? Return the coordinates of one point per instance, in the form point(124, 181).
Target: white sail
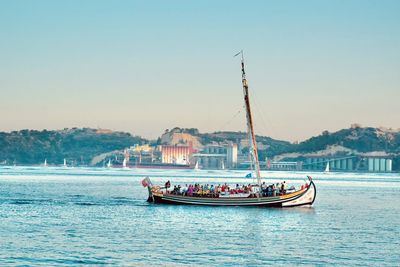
point(196, 167)
point(109, 163)
point(223, 165)
point(124, 163)
point(45, 163)
point(65, 163)
point(327, 167)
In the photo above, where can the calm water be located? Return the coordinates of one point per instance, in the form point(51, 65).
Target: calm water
point(95, 216)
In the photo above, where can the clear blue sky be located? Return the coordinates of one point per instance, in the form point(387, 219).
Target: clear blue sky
point(145, 66)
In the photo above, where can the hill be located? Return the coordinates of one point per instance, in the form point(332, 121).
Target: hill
point(352, 141)
point(78, 146)
point(81, 146)
point(356, 140)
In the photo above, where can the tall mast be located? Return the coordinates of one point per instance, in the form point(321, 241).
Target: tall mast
point(250, 128)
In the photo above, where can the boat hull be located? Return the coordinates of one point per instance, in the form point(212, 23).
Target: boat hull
point(298, 198)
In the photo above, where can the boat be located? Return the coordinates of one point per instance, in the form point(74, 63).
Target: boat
point(162, 166)
point(124, 164)
point(327, 168)
point(65, 163)
point(196, 167)
point(45, 163)
point(109, 164)
point(254, 195)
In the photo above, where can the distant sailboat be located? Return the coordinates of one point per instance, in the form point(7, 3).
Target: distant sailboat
point(327, 167)
point(196, 167)
point(124, 164)
point(223, 166)
point(45, 163)
point(65, 163)
point(109, 164)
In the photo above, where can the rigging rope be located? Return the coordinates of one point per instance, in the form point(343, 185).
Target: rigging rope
point(231, 119)
point(267, 127)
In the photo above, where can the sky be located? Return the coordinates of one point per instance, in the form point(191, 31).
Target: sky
point(147, 66)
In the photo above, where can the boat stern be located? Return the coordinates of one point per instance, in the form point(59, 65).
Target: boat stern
point(307, 198)
point(146, 182)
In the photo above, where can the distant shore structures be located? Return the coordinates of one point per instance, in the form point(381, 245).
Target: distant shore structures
point(367, 163)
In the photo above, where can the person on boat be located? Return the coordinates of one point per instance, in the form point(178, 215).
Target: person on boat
point(184, 190)
point(175, 191)
point(268, 192)
point(277, 189)
point(218, 190)
point(167, 185)
point(190, 190)
point(200, 191)
point(212, 190)
point(264, 189)
point(273, 190)
point(241, 189)
point(283, 188)
point(205, 188)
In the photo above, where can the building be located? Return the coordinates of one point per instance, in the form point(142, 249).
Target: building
point(379, 164)
point(176, 154)
point(231, 156)
point(283, 165)
point(217, 156)
point(349, 163)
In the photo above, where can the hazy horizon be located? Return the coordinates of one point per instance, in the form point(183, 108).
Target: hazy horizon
point(143, 67)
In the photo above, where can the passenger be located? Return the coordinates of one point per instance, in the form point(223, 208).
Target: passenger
point(167, 185)
point(206, 187)
point(278, 192)
point(179, 190)
point(273, 190)
point(224, 187)
point(184, 190)
point(190, 190)
point(284, 187)
point(200, 192)
point(241, 190)
point(269, 191)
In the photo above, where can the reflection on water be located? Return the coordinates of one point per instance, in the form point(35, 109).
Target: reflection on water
point(94, 216)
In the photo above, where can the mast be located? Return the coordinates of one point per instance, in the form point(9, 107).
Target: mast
point(250, 128)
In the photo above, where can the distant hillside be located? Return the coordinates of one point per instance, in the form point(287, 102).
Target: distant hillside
point(361, 139)
point(267, 146)
point(353, 141)
point(81, 146)
point(76, 145)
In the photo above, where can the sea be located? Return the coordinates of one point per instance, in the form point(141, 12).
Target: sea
point(53, 216)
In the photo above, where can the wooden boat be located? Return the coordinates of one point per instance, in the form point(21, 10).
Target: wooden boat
point(304, 196)
point(256, 197)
